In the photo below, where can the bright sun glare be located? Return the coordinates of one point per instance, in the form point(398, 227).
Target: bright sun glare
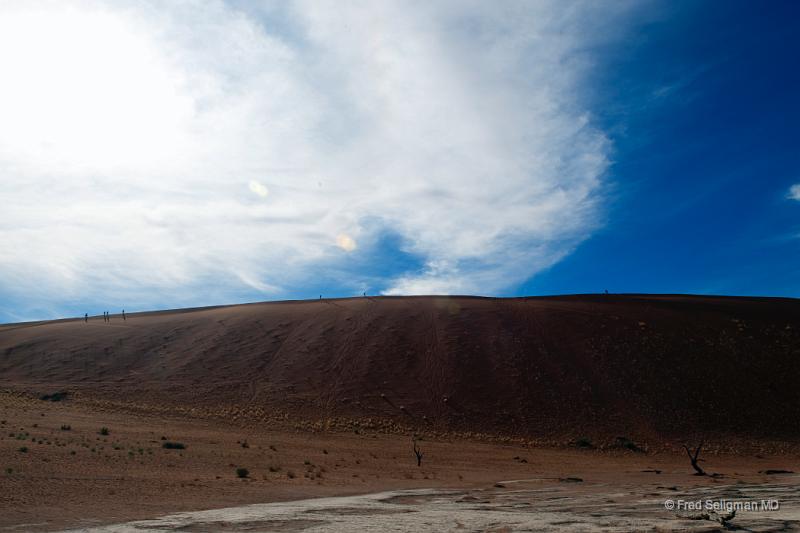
point(86, 89)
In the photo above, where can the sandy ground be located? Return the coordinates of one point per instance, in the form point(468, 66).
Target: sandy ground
point(80, 478)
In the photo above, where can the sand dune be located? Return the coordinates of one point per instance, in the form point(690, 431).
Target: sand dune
point(649, 367)
point(321, 399)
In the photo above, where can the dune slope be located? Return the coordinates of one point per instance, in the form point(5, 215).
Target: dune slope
point(575, 365)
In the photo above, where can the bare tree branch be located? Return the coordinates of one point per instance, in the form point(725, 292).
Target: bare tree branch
point(693, 458)
point(417, 452)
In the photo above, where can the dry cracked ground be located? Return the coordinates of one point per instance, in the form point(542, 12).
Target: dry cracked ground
point(521, 505)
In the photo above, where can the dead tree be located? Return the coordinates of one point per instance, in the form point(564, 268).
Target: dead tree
point(417, 452)
point(693, 458)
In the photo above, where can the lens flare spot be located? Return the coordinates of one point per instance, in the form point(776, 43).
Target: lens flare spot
point(345, 242)
point(259, 188)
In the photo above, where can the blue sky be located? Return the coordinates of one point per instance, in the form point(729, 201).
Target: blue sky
point(224, 152)
point(702, 104)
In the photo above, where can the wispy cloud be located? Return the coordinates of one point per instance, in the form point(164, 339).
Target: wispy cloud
point(154, 148)
point(794, 192)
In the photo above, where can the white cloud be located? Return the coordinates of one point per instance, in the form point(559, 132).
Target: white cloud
point(794, 192)
point(129, 128)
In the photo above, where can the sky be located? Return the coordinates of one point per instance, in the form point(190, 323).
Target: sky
point(160, 155)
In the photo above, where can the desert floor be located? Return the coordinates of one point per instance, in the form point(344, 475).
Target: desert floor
point(79, 478)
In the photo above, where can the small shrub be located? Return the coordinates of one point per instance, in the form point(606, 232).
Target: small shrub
point(9, 471)
point(583, 442)
point(290, 474)
point(104, 431)
point(274, 468)
point(66, 427)
point(55, 397)
point(628, 444)
point(169, 445)
point(242, 473)
point(244, 444)
point(272, 447)
point(24, 449)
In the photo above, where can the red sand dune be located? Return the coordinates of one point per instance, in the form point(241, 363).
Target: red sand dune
point(549, 367)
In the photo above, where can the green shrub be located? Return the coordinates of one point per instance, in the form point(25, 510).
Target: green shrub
point(66, 427)
point(242, 473)
point(24, 449)
point(173, 445)
point(104, 431)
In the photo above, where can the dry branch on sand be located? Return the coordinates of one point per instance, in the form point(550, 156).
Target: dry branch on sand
point(693, 457)
point(417, 452)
